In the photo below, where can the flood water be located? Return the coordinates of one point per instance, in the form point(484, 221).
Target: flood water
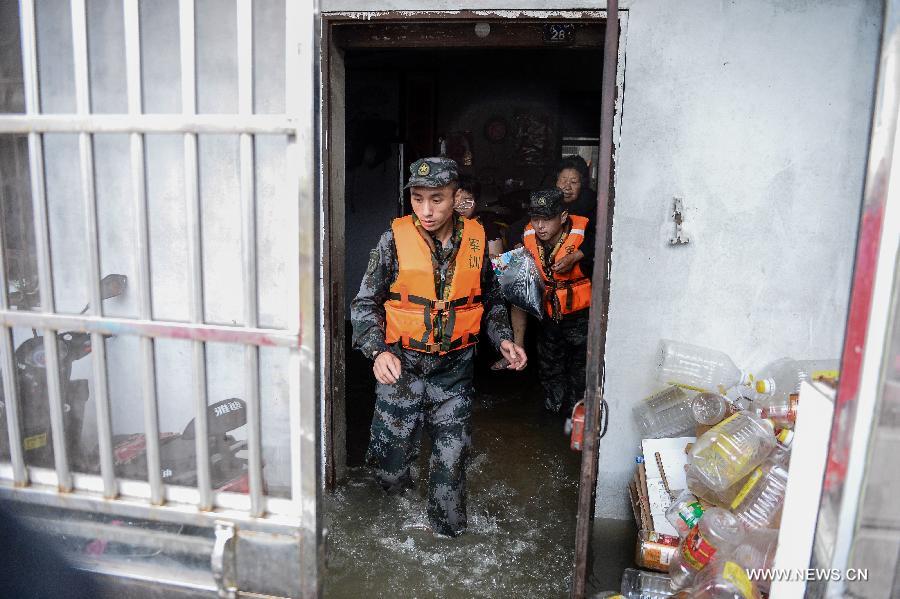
point(523, 486)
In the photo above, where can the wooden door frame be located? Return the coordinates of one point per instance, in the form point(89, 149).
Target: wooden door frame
point(334, 241)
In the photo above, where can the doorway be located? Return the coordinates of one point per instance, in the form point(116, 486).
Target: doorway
point(504, 100)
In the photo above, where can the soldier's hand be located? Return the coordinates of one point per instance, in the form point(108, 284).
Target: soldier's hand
point(387, 368)
point(567, 262)
point(514, 354)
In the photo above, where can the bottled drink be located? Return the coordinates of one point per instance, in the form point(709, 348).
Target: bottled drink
point(709, 408)
point(731, 449)
point(718, 530)
point(697, 368)
point(758, 504)
point(665, 414)
point(724, 579)
point(757, 552)
point(684, 513)
point(639, 584)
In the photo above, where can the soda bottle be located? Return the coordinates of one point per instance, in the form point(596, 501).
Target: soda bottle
point(697, 368)
point(730, 450)
point(665, 414)
point(758, 504)
point(640, 584)
point(709, 408)
point(757, 552)
point(725, 578)
point(718, 530)
point(684, 513)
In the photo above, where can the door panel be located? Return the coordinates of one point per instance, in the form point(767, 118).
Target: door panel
point(193, 176)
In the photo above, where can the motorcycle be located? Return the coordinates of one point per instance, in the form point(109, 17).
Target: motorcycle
point(31, 379)
point(178, 452)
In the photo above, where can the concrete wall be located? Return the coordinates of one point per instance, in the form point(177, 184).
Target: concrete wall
point(757, 114)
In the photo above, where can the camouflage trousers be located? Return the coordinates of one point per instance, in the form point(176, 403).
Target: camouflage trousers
point(434, 393)
point(561, 361)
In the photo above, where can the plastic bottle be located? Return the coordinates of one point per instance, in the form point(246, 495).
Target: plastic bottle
point(757, 552)
point(758, 504)
point(784, 438)
point(684, 513)
point(709, 408)
point(640, 584)
point(665, 414)
point(721, 499)
point(725, 578)
point(731, 449)
point(697, 368)
point(782, 378)
point(820, 368)
point(718, 530)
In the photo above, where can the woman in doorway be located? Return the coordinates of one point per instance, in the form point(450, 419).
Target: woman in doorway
point(467, 201)
point(572, 177)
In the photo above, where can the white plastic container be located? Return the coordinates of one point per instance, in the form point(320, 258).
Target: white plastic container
point(665, 414)
point(698, 368)
point(718, 530)
point(640, 584)
point(757, 552)
point(730, 450)
point(709, 408)
point(758, 504)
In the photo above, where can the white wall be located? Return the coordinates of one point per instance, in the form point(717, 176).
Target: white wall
point(756, 113)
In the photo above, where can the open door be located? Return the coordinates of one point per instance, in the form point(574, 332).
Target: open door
point(215, 116)
point(596, 344)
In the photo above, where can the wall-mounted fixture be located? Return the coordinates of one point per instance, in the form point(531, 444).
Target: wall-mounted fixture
point(678, 216)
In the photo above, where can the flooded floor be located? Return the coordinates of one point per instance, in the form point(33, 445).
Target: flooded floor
point(523, 486)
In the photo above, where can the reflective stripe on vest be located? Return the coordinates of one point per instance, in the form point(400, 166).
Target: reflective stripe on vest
point(413, 308)
point(572, 289)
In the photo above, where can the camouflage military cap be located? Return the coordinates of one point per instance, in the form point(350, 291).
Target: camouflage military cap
point(546, 203)
point(432, 172)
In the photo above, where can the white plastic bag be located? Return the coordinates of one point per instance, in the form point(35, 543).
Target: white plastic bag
point(520, 280)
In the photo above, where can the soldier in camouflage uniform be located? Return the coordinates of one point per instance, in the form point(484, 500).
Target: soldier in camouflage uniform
point(556, 240)
point(430, 387)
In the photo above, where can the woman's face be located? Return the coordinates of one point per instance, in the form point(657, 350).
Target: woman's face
point(465, 203)
point(569, 181)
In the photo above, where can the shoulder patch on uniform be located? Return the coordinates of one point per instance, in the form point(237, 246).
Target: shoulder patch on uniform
point(373, 261)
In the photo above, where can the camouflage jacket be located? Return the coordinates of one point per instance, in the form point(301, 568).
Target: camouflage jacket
point(367, 308)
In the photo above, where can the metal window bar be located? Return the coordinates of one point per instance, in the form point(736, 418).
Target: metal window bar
point(86, 153)
point(142, 235)
point(303, 58)
point(41, 485)
point(42, 240)
point(248, 218)
point(256, 124)
point(8, 372)
point(195, 249)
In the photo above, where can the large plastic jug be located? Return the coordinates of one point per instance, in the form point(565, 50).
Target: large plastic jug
point(730, 450)
point(698, 368)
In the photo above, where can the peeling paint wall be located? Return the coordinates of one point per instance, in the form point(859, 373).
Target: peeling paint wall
point(756, 114)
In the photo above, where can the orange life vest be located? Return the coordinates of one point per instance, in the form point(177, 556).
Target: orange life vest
point(413, 311)
point(572, 290)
